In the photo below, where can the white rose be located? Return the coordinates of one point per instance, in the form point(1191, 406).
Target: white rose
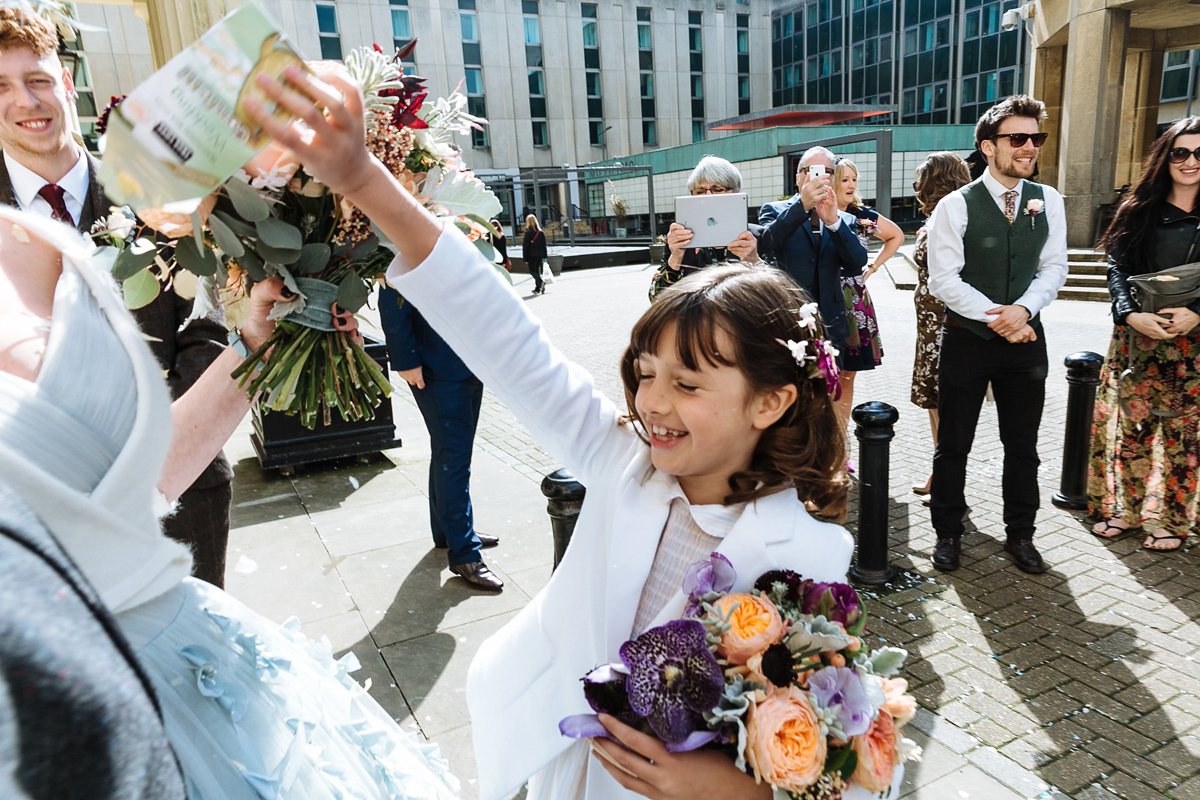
point(118, 224)
point(1034, 206)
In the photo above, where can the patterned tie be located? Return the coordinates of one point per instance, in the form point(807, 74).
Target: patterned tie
point(52, 193)
point(1010, 205)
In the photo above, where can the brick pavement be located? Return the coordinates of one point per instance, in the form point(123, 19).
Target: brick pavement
point(1081, 681)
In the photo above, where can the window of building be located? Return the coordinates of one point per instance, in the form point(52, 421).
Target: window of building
point(401, 29)
point(541, 133)
point(327, 30)
point(696, 59)
point(649, 132)
point(468, 23)
point(743, 62)
point(646, 76)
point(537, 77)
point(1177, 66)
point(591, 75)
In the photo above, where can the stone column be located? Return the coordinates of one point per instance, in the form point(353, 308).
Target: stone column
point(1046, 84)
point(1091, 117)
point(1139, 117)
point(174, 24)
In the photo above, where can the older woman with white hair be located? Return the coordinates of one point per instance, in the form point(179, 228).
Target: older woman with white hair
point(713, 175)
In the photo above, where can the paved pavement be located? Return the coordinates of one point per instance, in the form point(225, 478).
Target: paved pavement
point(1078, 683)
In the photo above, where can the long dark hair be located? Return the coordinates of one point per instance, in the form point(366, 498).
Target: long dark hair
point(756, 307)
point(1128, 239)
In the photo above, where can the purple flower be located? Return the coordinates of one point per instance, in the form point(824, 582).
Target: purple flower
point(793, 580)
point(827, 365)
point(673, 678)
point(714, 574)
point(838, 690)
point(604, 689)
point(837, 602)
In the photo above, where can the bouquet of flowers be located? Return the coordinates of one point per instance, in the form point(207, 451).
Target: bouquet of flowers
point(272, 218)
point(779, 676)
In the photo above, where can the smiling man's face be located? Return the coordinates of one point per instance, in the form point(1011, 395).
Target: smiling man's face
point(1006, 160)
point(35, 93)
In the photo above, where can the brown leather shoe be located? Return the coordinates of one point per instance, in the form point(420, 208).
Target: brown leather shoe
point(1025, 556)
point(946, 553)
point(478, 573)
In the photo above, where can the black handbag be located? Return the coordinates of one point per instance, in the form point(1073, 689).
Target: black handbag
point(1168, 288)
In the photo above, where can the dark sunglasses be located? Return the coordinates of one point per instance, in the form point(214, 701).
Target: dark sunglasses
point(1019, 139)
point(1178, 155)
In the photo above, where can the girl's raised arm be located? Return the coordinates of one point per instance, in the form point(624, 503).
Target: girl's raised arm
point(333, 150)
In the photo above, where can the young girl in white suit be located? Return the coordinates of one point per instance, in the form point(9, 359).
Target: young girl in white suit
point(728, 442)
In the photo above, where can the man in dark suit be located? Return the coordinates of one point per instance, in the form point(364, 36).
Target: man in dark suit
point(45, 170)
point(448, 396)
point(815, 243)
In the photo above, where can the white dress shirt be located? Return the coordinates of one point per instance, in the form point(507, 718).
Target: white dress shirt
point(26, 184)
point(945, 232)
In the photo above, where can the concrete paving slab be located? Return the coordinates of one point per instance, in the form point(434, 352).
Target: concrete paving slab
point(966, 783)
point(352, 530)
point(293, 578)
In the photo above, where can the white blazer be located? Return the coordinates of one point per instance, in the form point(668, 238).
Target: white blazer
point(526, 678)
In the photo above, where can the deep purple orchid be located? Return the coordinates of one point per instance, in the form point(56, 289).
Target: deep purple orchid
point(837, 602)
point(714, 574)
point(673, 678)
point(827, 366)
point(839, 691)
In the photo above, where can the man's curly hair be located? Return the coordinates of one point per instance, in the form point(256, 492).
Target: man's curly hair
point(19, 28)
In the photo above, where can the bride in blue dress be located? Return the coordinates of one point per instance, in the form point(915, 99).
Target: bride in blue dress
point(253, 709)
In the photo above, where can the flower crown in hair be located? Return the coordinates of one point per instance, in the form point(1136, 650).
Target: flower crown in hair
point(816, 355)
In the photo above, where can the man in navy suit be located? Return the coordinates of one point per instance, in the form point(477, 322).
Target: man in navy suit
point(814, 242)
point(448, 396)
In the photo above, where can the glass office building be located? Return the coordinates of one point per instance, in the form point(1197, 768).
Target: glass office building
point(938, 61)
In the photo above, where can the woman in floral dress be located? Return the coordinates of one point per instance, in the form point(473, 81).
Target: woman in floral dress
point(864, 349)
point(939, 175)
point(1145, 447)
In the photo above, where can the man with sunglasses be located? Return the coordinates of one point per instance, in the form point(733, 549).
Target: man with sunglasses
point(997, 257)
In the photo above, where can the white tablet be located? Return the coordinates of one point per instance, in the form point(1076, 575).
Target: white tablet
point(715, 220)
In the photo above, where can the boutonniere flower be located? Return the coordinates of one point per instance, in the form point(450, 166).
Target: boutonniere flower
point(1032, 209)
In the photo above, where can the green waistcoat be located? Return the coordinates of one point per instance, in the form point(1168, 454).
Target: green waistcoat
point(1000, 260)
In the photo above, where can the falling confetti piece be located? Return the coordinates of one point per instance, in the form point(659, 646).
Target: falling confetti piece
point(353, 481)
point(245, 565)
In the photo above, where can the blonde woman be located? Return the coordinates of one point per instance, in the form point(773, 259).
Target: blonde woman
point(863, 349)
point(533, 250)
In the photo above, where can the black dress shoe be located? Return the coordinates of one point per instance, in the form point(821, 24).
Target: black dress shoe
point(1025, 556)
point(485, 541)
point(946, 553)
point(478, 573)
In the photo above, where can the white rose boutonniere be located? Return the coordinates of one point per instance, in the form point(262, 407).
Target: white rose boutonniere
point(1032, 209)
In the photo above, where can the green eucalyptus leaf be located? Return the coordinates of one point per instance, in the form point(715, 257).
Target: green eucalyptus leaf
point(239, 227)
point(134, 259)
point(279, 234)
point(247, 201)
point(276, 255)
point(485, 222)
point(462, 226)
point(505, 273)
point(486, 248)
point(140, 289)
point(313, 258)
point(352, 293)
point(192, 255)
point(362, 249)
point(229, 243)
point(253, 265)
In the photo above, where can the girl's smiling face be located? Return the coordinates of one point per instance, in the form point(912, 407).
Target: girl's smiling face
point(703, 424)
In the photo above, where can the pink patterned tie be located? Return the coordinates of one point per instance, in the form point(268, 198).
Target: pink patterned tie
point(52, 193)
point(1010, 205)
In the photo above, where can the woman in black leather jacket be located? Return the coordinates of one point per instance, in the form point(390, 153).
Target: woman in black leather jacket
point(1150, 383)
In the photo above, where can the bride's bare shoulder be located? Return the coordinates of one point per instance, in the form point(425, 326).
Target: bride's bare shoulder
point(30, 266)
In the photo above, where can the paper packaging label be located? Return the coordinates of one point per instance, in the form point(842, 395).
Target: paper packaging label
point(184, 131)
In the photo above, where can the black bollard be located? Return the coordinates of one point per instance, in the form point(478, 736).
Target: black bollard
point(874, 432)
point(565, 497)
point(1083, 376)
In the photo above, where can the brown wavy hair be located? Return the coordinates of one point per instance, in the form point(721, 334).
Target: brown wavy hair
point(755, 307)
point(937, 176)
point(26, 29)
point(1019, 105)
point(1129, 239)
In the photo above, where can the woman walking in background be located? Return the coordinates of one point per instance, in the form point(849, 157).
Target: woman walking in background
point(533, 250)
point(938, 176)
point(863, 347)
point(1144, 437)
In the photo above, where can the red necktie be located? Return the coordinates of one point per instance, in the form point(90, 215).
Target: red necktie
point(52, 193)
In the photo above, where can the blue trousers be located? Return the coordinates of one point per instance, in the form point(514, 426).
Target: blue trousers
point(451, 413)
point(1017, 374)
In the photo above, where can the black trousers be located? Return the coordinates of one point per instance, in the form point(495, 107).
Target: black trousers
point(535, 269)
point(1017, 373)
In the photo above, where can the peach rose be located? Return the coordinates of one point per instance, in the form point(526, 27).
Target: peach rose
point(756, 625)
point(902, 706)
point(785, 746)
point(272, 168)
point(175, 224)
point(877, 755)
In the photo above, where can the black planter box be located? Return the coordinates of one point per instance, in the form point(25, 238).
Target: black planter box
point(281, 442)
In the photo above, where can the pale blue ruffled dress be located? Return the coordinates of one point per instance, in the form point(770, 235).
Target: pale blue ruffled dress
point(253, 709)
